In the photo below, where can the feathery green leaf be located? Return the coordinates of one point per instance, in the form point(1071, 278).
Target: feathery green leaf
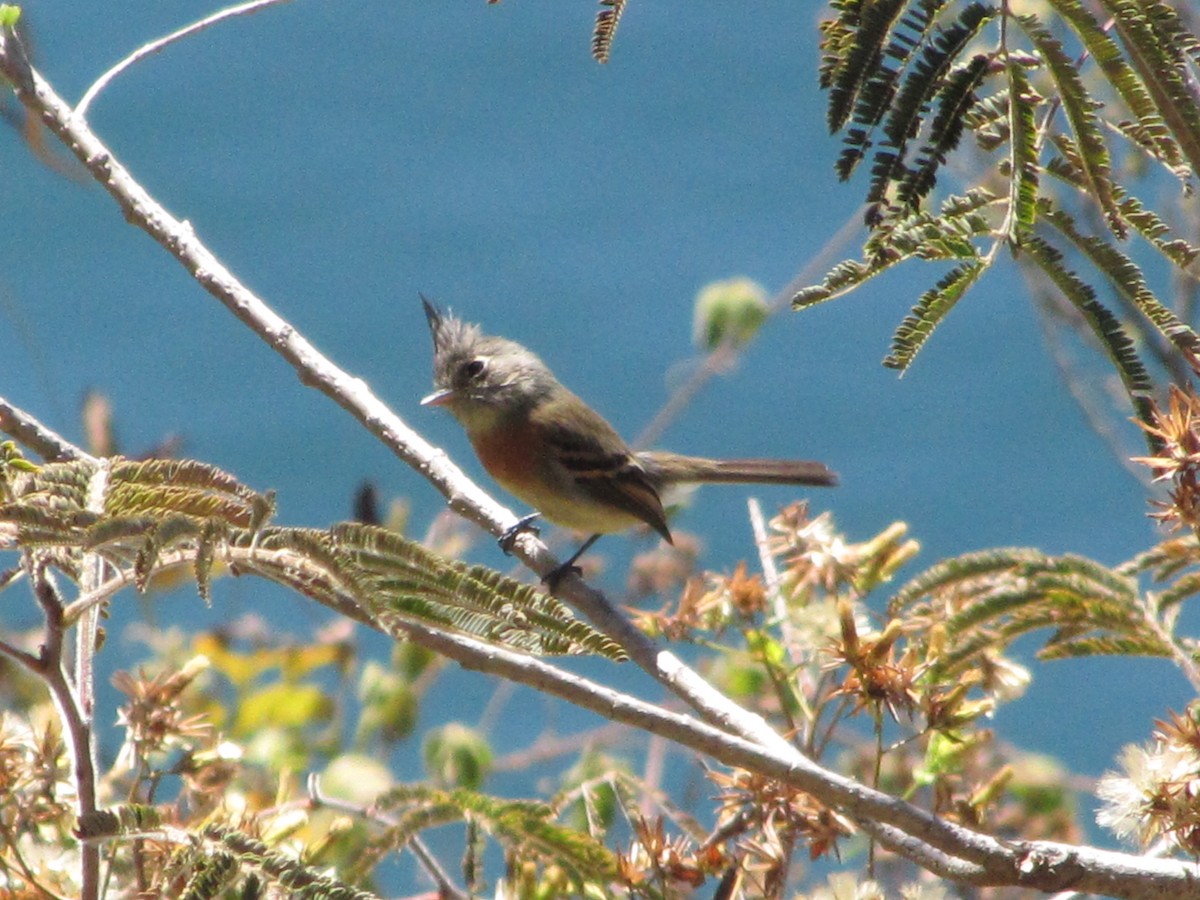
point(1148, 129)
point(924, 80)
point(1080, 109)
point(933, 306)
point(1023, 164)
point(1147, 29)
point(1104, 325)
point(1127, 278)
point(868, 25)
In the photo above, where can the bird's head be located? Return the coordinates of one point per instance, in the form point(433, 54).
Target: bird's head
point(480, 378)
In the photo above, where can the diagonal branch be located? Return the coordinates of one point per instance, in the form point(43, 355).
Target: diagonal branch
point(52, 446)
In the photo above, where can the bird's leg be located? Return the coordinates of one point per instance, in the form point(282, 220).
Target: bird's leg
point(525, 523)
point(555, 575)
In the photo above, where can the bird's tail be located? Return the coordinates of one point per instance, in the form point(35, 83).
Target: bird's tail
point(671, 468)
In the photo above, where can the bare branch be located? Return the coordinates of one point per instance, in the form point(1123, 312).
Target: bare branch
point(77, 730)
point(29, 431)
point(161, 43)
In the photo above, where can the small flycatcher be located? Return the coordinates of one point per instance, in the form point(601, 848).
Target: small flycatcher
point(550, 449)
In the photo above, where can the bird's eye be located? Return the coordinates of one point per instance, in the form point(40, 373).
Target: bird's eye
point(473, 369)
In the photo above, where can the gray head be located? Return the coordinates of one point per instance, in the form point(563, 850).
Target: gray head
point(478, 376)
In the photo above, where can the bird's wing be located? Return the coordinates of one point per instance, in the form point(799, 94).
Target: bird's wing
point(601, 465)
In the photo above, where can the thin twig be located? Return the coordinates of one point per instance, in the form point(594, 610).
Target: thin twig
point(77, 730)
point(94, 570)
point(161, 43)
point(766, 559)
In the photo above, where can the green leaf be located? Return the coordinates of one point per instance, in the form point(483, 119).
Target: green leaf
point(980, 603)
point(933, 306)
point(924, 80)
point(1149, 130)
point(1127, 278)
point(945, 236)
point(400, 578)
point(281, 869)
point(1150, 33)
point(204, 514)
point(1080, 109)
point(864, 28)
point(1148, 224)
point(1105, 645)
point(1023, 164)
point(956, 97)
point(525, 829)
point(1104, 325)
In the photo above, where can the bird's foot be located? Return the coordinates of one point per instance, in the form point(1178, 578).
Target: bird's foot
point(523, 524)
point(555, 575)
point(558, 573)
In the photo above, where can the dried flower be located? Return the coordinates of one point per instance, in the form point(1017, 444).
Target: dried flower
point(773, 815)
point(1177, 430)
point(1159, 795)
point(153, 719)
point(874, 676)
point(654, 856)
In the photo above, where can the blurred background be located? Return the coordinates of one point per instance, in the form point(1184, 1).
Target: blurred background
point(342, 157)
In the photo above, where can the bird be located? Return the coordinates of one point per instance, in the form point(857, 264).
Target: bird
point(547, 447)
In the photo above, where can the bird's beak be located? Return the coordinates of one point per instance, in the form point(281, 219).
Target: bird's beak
point(438, 398)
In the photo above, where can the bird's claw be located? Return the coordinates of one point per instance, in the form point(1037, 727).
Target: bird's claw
point(523, 524)
point(558, 573)
point(555, 575)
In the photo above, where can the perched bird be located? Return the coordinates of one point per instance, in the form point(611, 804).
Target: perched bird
point(546, 446)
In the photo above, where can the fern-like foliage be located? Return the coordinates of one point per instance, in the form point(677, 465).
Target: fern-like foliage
point(980, 603)
point(926, 78)
point(396, 580)
point(527, 830)
point(1127, 279)
point(1066, 112)
point(157, 513)
point(930, 309)
point(1158, 47)
point(1105, 326)
point(275, 868)
point(1080, 110)
point(607, 20)
point(955, 100)
point(855, 75)
point(950, 235)
point(1023, 172)
point(129, 819)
